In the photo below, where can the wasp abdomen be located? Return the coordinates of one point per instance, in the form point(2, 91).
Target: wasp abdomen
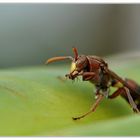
point(135, 95)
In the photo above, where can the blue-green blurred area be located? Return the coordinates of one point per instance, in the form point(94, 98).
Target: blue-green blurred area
point(31, 33)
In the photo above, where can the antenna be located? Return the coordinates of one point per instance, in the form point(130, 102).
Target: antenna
point(75, 53)
point(53, 59)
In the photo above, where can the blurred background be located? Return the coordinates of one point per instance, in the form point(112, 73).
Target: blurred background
point(31, 33)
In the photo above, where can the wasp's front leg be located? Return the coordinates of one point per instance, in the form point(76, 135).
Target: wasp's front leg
point(92, 109)
point(88, 76)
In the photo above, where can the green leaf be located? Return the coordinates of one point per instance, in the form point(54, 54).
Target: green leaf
point(34, 101)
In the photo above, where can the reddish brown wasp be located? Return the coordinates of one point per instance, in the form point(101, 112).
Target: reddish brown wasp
point(95, 69)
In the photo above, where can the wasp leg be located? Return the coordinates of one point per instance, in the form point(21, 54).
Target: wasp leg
point(119, 91)
point(93, 108)
point(116, 93)
point(131, 101)
point(125, 91)
point(88, 76)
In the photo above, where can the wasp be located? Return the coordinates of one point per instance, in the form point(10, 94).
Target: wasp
point(95, 70)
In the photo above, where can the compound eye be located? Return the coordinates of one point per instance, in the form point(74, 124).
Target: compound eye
point(73, 66)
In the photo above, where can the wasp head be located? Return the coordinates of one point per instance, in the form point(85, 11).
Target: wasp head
point(79, 63)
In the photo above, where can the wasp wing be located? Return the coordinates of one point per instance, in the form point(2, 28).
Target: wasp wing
point(114, 75)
